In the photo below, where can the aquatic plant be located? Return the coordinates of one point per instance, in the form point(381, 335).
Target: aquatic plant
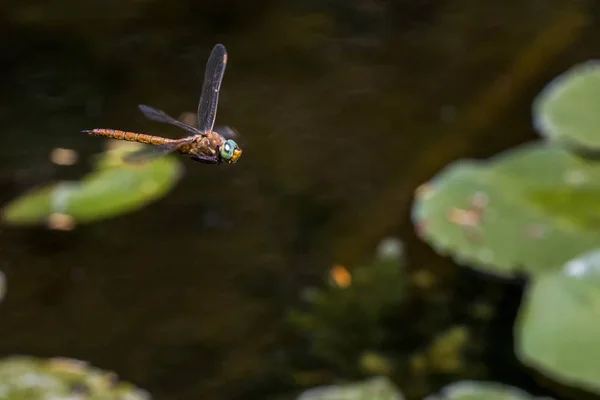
point(534, 209)
point(381, 388)
point(566, 110)
point(531, 208)
point(61, 378)
point(111, 189)
point(467, 390)
point(377, 388)
point(558, 327)
point(343, 319)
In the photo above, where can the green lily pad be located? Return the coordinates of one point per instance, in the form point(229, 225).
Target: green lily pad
point(468, 390)
point(558, 328)
point(112, 189)
point(566, 110)
point(378, 388)
point(532, 208)
point(61, 378)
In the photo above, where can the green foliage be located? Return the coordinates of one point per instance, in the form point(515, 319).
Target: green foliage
point(378, 388)
point(536, 208)
point(467, 390)
point(566, 111)
point(558, 327)
point(533, 207)
point(28, 378)
point(112, 189)
point(345, 320)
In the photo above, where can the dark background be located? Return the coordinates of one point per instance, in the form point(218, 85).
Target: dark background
point(343, 107)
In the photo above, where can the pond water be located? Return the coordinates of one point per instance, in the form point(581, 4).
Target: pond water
point(343, 109)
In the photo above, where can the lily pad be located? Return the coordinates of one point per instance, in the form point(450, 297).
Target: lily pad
point(566, 110)
point(470, 390)
point(61, 378)
point(112, 189)
point(378, 388)
point(558, 328)
point(532, 208)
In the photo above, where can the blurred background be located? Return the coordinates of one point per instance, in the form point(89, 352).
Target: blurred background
point(343, 109)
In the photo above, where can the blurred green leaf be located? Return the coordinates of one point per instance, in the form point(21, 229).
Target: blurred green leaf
point(32, 208)
point(566, 110)
point(558, 328)
point(532, 208)
point(28, 378)
point(112, 189)
point(379, 388)
point(467, 390)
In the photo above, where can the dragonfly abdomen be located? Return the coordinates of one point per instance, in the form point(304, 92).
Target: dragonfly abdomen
point(129, 136)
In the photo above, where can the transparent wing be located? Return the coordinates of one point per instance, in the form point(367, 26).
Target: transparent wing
point(226, 131)
point(149, 153)
point(154, 114)
point(209, 98)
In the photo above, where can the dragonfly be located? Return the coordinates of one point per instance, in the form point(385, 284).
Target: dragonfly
point(205, 145)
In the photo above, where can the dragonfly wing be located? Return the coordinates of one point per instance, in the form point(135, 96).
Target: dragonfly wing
point(149, 153)
point(154, 114)
point(226, 131)
point(209, 97)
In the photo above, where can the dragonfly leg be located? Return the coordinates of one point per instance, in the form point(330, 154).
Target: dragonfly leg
point(207, 160)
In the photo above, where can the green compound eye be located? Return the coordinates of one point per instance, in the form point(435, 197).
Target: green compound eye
point(230, 151)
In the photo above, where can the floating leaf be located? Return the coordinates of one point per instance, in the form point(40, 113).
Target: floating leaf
point(566, 110)
point(468, 390)
point(61, 378)
point(531, 208)
point(32, 208)
point(558, 328)
point(379, 388)
point(112, 189)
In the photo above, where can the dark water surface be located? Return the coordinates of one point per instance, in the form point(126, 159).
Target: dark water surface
point(344, 108)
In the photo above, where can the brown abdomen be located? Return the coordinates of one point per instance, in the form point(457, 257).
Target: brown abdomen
point(129, 136)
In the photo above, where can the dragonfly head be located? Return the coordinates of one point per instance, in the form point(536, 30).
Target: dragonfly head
point(230, 152)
